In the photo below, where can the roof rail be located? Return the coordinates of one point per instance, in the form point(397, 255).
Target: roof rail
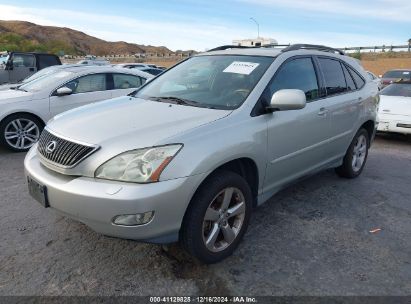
point(295, 47)
point(225, 47)
point(286, 47)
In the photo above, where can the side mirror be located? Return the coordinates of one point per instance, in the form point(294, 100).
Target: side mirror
point(284, 100)
point(64, 91)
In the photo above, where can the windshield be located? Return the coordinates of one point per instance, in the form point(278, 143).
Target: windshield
point(397, 89)
point(42, 82)
point(220, 82)
point(39, 74)
point(397, 74)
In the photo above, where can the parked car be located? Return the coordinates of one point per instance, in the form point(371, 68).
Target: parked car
point(25, 110)
point(41, 73)
point(375, 79)
point(152, 71)
point(18, 65)
point(394, 76)
point(186, 159)
point(394, 113)
point(94, 62)
point(136, 65)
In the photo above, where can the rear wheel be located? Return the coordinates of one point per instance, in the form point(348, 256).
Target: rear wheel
point(217, 217)
point(356, 156)
point(19, 132)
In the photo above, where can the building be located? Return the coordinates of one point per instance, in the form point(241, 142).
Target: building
point(260, 41)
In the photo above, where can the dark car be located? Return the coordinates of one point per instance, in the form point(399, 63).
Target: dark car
point(153, 71)
point(395, 76)
point(15, 66)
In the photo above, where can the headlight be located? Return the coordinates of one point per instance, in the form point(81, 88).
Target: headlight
point(138, 166)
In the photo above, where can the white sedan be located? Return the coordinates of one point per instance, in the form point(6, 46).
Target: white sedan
point(25, 109)
point(394, 112)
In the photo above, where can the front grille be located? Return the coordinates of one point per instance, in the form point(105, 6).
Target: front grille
point(62, 152)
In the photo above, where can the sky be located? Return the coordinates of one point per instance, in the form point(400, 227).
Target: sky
point(204, 24)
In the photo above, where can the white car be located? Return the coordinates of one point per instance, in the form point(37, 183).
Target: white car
point(94, 62)
point(41, 73)
point(394, 112)
point(25, 109)
point(136, 65)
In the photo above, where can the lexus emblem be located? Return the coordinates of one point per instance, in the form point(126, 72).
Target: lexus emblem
point(51, 146)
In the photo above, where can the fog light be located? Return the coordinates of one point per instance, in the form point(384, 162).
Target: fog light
point(133, 219)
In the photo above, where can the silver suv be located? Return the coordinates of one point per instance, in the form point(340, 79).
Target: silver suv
point(189, 155)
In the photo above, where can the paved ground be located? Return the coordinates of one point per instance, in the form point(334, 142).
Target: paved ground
point(311, 239)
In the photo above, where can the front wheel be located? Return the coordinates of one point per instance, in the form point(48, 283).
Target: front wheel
point(356, 156)
point(19, 132)
point(217, 217)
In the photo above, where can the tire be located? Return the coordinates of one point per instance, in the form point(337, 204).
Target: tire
point(197, 230)
point(19, 132)
point(356, 156)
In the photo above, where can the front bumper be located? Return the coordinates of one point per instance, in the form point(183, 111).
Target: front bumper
point(96, 202)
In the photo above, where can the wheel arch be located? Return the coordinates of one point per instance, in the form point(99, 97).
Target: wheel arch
point(24, 113)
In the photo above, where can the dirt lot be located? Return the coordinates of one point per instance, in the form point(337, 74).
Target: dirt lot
point(311, 239)
point(381, 65)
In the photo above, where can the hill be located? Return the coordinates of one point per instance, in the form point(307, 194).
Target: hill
point(28, 36)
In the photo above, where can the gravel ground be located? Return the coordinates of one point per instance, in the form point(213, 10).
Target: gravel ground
point(311, 239)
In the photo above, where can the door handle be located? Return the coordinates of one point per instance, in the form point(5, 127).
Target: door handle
point(323, 112)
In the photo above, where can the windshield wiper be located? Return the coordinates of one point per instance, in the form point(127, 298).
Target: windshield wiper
point(175, 100)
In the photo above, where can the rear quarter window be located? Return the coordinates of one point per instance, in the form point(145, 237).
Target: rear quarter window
point(46, 61)
point(359, 81)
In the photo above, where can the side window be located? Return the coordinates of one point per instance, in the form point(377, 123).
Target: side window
point(359, 81)
point(348, 79)
point(125, 81)
point(89, 83)
point(333, 75)
point(296, 74)
point(24, 60)
point(46, 61)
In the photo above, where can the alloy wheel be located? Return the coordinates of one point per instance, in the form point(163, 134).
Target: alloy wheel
point(359, 153)
point(223, 219)
point(21, 133)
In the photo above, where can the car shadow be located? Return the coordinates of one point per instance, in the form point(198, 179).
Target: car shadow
point(394, 137)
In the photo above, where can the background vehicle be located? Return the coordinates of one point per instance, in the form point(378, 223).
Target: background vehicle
point(187, 158)
point(94, 62)
point(394, 76)
point(395, 108)
point(41, 73)
point(136, 66)
point(152, 71)
point(18, 65)
point(375, 79)
point(25, 110)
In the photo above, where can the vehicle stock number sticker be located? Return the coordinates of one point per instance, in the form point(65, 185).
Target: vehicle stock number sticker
point(239, 67)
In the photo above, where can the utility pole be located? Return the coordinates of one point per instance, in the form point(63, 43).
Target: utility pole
point(258, 27)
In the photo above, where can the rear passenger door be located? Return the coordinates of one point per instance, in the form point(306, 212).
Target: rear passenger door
point(343, 99)
point(123, 84)
point(86, 89)
point(296, 139)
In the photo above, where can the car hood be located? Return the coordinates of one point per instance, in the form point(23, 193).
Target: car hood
point(8, 96)
point(127, 123)
point(395, 105)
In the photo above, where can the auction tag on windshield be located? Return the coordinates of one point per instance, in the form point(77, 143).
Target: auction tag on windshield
point(240, 67)
point(406, 73)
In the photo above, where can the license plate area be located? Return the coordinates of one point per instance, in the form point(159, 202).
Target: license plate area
point(38, 192)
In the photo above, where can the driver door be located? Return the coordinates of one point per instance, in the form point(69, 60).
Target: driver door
point(85, 90)
point(297, 139)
